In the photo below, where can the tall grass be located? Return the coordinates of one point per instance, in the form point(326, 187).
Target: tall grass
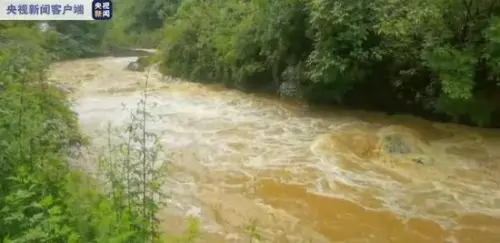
point(43, 198)
point(135, 172)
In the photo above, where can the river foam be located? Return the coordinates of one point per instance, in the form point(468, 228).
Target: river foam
point(247, 156)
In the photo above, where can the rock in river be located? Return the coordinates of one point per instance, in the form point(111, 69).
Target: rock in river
point(135, 66)
point(404, 143)
point(140, 64)
point(392, 144)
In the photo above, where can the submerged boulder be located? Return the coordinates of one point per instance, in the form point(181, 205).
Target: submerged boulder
point(134, 66)
point(140, 64)
point(396, 144)
point(403, 143)
point(393, 144)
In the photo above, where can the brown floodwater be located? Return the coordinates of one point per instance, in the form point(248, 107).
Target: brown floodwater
point(305, 174)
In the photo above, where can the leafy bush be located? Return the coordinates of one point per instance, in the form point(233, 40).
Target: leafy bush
point(398, 56)
point(43, 198)
point(139, 25)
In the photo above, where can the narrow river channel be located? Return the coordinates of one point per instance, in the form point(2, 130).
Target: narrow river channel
point(305, 174)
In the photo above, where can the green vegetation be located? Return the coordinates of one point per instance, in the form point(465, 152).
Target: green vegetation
point(46, 194)
point(438, 59)
point(78, 39)
point(44, 198)
point(140, 25)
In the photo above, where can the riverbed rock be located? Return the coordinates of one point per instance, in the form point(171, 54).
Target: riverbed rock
point(393, 145)
point(140, 64)
point(135, 66)
point(404, 144)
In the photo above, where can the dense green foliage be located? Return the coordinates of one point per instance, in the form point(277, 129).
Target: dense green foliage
point(140, 24)
point(44, 199)
point(436, 58)
point(45, 196)
point(78, 39)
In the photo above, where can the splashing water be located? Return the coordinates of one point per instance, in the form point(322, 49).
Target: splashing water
point(306, 175)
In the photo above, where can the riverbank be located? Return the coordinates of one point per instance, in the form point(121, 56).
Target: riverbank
point(344, 54)
point(301, 172)
point(45, 195)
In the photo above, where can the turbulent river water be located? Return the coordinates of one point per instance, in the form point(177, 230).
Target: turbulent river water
point(305, 174)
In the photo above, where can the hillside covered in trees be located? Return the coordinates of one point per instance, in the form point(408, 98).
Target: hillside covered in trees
point(439, 59)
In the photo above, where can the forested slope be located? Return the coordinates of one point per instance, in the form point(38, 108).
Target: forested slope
point(439, 59)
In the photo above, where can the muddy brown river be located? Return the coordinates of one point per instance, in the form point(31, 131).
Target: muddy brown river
point(305, 174)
